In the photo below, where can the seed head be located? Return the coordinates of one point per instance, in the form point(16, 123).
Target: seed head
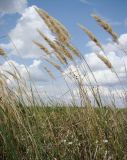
point(106, 27)
point(105, 60)
point(91, 36)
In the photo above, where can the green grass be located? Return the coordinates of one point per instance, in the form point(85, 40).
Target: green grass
point(65, 133)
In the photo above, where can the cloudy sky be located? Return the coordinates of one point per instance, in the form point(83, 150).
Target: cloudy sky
point(19, 20)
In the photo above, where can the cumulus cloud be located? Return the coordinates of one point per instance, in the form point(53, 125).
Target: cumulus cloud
point(25, 32)
point(103, 75)
point(35, 70)
point(12, 6)
point(22, 36)
point(110, 85)
point(43, 85)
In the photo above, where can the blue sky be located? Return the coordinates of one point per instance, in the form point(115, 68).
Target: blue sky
point(19, 20)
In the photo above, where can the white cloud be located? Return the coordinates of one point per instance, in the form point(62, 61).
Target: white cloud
point(110, 86)
point(103, 75)
point(29, 74)
point(35, 70)
point(25, 32)
point(123, 39)
point(86, 2)
point(22, 36)
point(12, 6)
point(43, 85)
point(109, 96)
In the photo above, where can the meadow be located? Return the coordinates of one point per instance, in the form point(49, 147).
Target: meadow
point(31, 129)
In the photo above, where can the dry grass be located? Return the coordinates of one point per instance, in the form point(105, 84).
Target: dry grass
point(2, 52)
point(33, 130)
point(58, 67)
point(91, 36)
point(55, 26)
point(105, 60)
point(49, 72)
point(41, 46)
point(106, 27)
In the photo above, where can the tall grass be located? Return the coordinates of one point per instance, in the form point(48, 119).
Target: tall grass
point(33, 130)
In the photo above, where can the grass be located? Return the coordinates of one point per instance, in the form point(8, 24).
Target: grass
point(33, 130)
point(65, 133)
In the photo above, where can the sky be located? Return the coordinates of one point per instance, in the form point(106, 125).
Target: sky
point(19, 20)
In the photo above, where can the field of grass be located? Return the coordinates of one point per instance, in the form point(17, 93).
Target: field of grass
point(30, 130)
point(66, 133)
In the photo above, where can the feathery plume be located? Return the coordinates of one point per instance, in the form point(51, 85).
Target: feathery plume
point(106, 27)
point(74, 50)
point(54, 64)
point(55, 47)
point(61, 58)
point(54, 25)
point(64, 50)
point(105, 60)
point(62, 27)
point(2, 52)
point(41, 46)
point(91, 36)
point(49, 72)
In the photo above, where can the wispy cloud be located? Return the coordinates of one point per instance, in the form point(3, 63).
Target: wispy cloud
point(114, 23)
point(125, 22)
point(13, 6)
point(28, 22)
point(86, 2)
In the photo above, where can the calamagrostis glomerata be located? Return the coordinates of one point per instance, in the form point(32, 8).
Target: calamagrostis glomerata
point(41, 46)
point(2, 52)
point(105, 60)
point(106, 27)
point(64, 50)
point(49, 72)
point(55, 47)
point(54, 64)
point(73, 49)
point(91, 36)
point(54, 25)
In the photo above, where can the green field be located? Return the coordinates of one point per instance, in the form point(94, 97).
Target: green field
point(53, 133)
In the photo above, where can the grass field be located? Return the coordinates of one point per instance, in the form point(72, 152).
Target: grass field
point(30, 130)
point(64, 133)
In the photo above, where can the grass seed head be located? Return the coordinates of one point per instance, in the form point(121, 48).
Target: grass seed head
point(91, 36)
point(73, 49)
point(2, 52)
point(41, 46)
point(49, 72)
point(105, 60)
point(54, 64)
point(65, 50)
point(54, 25)
point(106, 27)
point(55, 47)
